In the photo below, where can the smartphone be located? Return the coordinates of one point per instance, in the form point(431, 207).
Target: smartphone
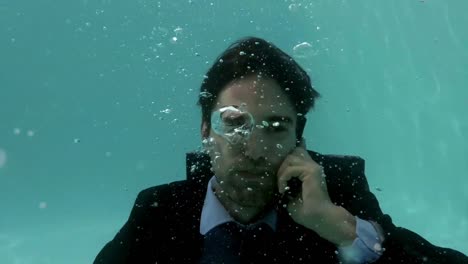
point(294, 184)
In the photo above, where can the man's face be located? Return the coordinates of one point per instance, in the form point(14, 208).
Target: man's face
point(246, 171)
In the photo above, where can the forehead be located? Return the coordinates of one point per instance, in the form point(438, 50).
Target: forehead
point(262, 96)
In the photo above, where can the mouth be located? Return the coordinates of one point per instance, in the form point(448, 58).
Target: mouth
point(252, 173)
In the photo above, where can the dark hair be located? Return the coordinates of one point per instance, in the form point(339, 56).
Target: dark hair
point(251, 55)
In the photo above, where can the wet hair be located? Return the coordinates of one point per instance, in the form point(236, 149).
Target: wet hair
point(251, 55)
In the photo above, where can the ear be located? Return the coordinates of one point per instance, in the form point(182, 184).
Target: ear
point(300, 126)
point(205, 130)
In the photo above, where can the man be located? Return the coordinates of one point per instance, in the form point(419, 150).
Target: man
point(242, 202)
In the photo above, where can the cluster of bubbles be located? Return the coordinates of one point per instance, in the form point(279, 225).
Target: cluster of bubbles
point(207, 144)
point(294, 7)
point(178, 31)
point(166, 111)
point(29, 133)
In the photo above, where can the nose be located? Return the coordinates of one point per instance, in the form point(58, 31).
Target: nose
point(254, 147)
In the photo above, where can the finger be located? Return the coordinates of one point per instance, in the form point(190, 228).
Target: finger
point(301, 149)
point(294, 206)
point(291, 160)
point(289, 173)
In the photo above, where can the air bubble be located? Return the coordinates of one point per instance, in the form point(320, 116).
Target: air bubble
point(205, 95)
point(3, 158)
point(178, 30)
point(303, 50)
point(293, 7)
point(377, 247)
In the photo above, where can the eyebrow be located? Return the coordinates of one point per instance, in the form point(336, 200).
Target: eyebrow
point(272, 118)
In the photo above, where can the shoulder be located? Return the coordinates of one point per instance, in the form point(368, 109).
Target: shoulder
point(340, 162)
point(342, 169)
point(170, 195)
point(345, 176)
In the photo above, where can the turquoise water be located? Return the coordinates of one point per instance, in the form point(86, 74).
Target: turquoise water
point(97, 102)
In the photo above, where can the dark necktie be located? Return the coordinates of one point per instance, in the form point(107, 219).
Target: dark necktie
point(232, 244)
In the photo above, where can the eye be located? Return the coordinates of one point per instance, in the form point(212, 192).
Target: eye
point(278, 127)
point(233, 119)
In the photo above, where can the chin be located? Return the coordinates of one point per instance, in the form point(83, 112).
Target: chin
point(252, 203)
point(254, 197)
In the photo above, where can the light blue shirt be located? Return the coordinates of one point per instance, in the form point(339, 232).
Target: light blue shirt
point(365, 248)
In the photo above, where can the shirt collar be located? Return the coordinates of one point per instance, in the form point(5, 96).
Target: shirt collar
point(214, 213)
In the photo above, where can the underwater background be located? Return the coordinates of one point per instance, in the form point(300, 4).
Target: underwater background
point(98, 101)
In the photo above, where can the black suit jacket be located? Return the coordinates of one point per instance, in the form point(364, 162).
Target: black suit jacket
point(163, 226)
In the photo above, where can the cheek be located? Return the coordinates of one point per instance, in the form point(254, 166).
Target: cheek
point(220, 154)
point(281, 146)
point(278, 151)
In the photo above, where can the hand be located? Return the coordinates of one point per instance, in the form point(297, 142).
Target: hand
point(313, 199)
point(313, 208)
